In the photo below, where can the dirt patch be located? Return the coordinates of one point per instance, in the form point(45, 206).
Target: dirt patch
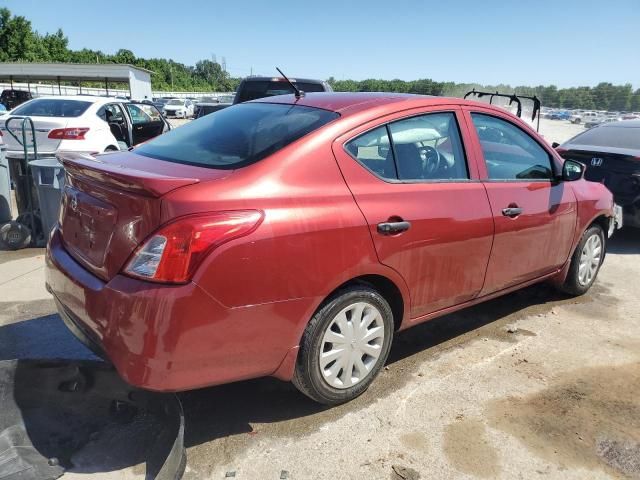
point(588, 418)
point(469, 450)
point(417, 441)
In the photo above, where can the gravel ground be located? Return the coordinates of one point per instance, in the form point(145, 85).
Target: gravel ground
point(530, 385)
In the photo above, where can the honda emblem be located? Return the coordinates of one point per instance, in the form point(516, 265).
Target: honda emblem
point(74, 203)
point(597, 162)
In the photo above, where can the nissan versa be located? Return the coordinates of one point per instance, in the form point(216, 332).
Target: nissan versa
point(292, 236)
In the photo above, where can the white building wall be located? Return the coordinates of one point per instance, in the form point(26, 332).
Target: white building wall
point(140, 85)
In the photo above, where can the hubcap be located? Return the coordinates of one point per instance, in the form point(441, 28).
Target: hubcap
point(352, 345)
point(590, 260)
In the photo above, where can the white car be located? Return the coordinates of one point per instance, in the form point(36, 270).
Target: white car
point(82, 124)
point(584, 117)
point(178, 108)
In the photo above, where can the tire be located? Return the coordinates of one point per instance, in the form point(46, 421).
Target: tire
point(580, 278)
point(330, 384)
point(111, 148)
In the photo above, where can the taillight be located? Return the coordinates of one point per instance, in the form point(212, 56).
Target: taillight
point(68, 133)
point(173, 253)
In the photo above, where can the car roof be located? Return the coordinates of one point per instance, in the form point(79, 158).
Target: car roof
point(81, 98)
point(622, 124)
point(350, 103)
point(281, 79)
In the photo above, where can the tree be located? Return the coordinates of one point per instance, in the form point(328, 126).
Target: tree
point(56, 46)
point(18, 42)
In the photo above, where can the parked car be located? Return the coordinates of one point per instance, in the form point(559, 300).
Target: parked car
point(584, 117)
point(559, 115)
point(205, 108)
point(83, 124)
point(252, 88)
point(294, 236)
point(600, 120)
point(611, 153)
point(226, 98)
point(12, 98)
point(178, 108)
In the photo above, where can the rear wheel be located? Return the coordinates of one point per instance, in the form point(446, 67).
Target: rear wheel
point(586, 261)
point(344, 346)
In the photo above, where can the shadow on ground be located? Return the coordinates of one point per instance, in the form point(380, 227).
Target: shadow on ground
point(228, 410)
point(224, 412)
point(43, 337)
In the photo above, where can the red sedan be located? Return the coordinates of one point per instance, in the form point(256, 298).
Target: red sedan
point(293, 236)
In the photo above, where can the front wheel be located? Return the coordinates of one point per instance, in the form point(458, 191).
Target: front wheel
point(586, 261)
point(344, 346)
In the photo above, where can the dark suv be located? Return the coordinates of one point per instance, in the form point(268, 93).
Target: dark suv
point(259, 87)
point(12, 98)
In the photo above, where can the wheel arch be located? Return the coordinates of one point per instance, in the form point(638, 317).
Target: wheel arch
point(602, 220)
point(394, 291)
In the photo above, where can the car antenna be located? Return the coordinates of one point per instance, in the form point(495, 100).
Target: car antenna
point(299, 93)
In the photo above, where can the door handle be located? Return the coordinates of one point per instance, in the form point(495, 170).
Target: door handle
point(391, 228)
point(511, 212)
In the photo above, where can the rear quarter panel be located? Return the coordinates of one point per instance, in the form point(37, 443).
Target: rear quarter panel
point(313, 239)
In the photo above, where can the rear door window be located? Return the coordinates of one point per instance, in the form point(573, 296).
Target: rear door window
point(428, 147)
point(423, 148)
point(373, 151)
point(509, 152)
point(237, 136)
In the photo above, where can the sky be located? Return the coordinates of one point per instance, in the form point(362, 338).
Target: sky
point(518, 42)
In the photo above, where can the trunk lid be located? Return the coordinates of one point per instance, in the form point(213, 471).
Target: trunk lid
point(617, 170)
point(112, 202)
point(12, 130)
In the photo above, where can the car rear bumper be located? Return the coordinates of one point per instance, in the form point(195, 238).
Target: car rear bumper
point(168, 337)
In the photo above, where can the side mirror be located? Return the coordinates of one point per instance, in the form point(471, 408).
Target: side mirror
point(572, 171)
point(555, 145)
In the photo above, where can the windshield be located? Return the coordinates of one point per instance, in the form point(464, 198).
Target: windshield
point(175, 102)
point(52, 107)
point(236, 136)
point(610, 136)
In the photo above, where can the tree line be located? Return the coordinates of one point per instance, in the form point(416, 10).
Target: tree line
point(19, 42)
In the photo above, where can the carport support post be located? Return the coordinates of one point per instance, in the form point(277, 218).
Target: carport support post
point(106, 86)
point(11, 81)
point(59, 90)
point(29, 84)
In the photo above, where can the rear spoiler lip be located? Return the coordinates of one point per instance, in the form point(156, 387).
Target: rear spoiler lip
point(140, 182)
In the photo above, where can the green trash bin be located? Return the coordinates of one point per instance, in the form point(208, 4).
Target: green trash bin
point(48, 177)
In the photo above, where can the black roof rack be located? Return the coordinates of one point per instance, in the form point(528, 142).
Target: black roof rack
point(513, 98)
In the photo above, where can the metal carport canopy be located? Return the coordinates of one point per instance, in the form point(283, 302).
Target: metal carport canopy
point(139, 79)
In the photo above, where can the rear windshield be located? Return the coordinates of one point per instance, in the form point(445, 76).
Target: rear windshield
point(610, 136)
point(236, 136)
point(252, 90)
point(52, 107)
